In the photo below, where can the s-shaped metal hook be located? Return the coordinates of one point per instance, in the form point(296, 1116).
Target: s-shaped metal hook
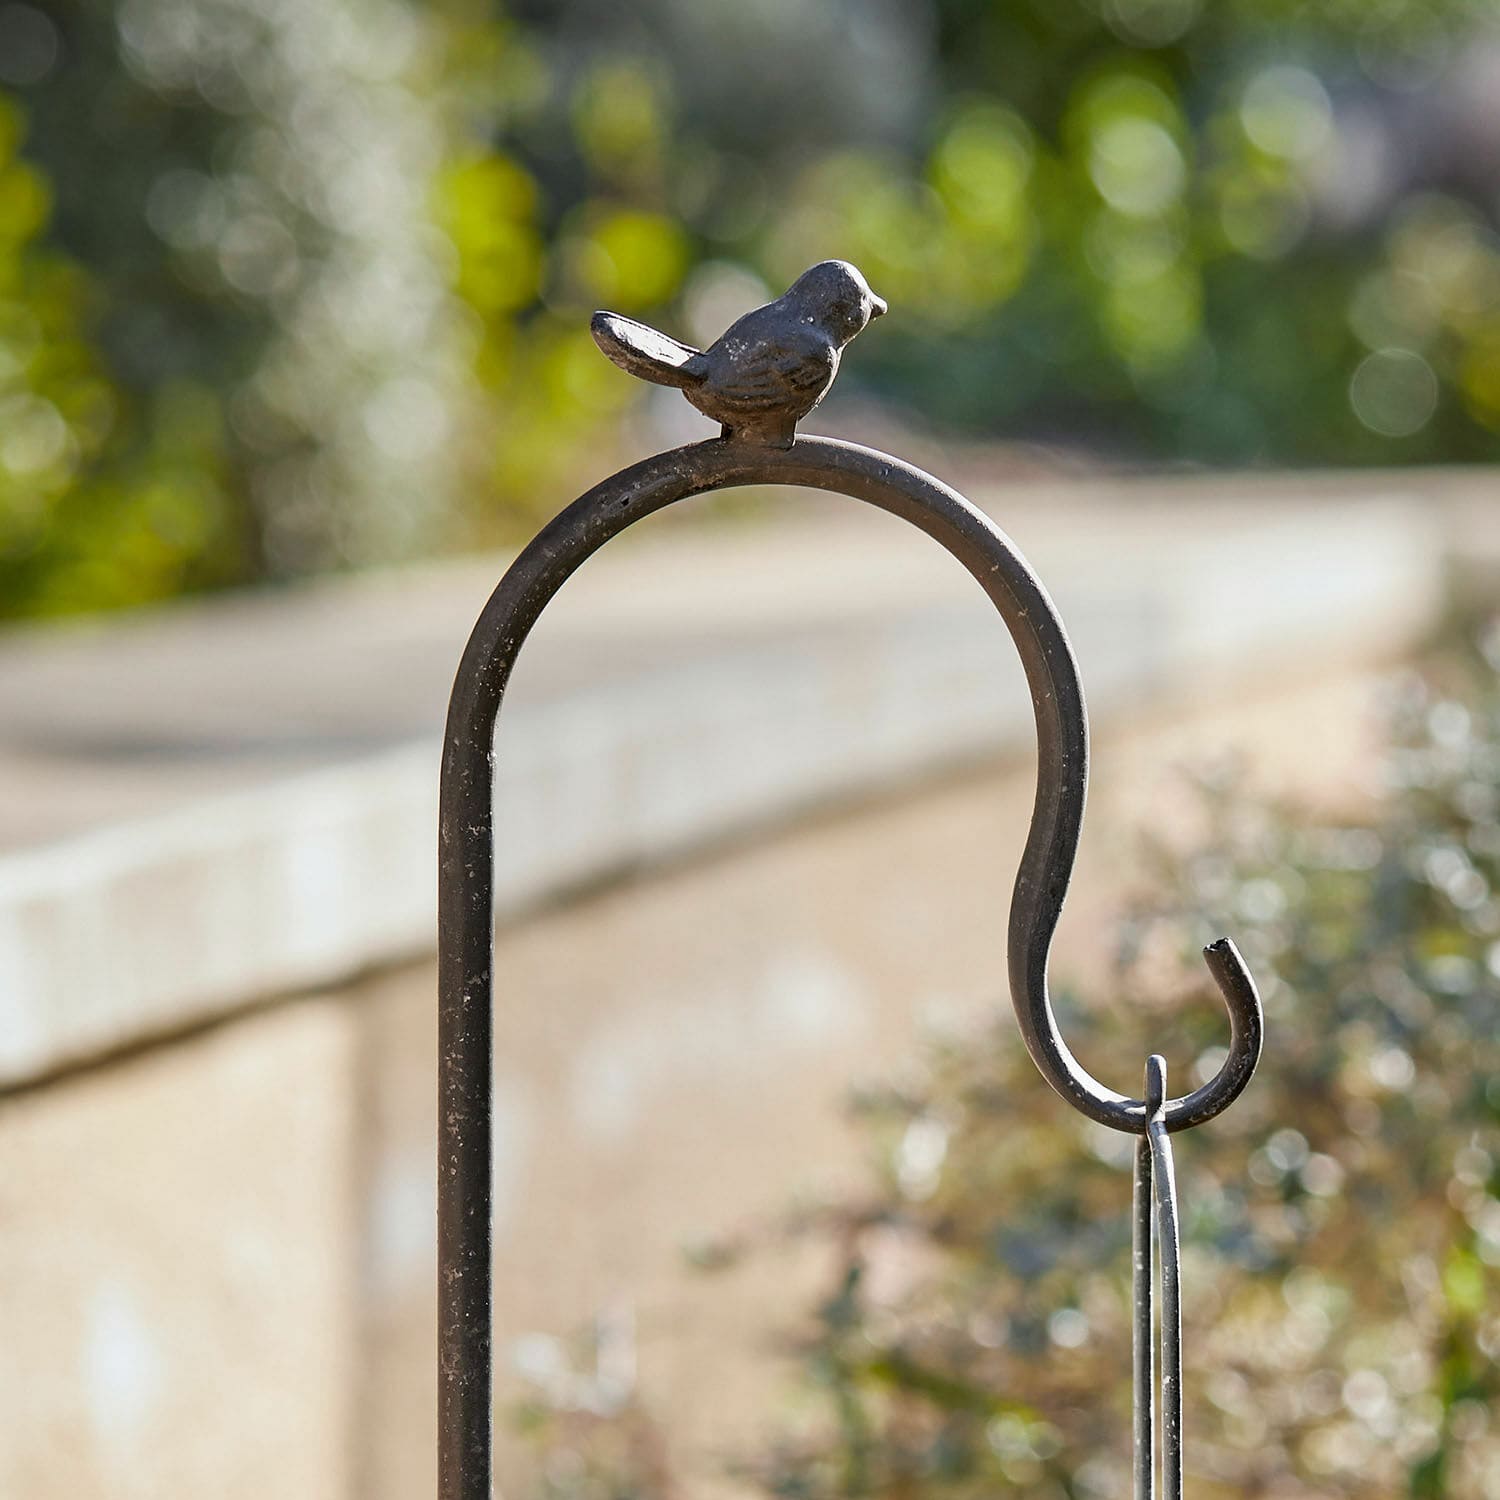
point(466, 880)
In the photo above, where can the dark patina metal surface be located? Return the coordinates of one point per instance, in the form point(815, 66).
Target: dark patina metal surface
point(757, 450)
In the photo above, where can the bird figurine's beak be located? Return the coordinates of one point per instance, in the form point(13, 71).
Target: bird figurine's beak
point(878, 307)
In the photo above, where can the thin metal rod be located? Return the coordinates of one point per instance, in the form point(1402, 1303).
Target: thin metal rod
point(1144, 1339)
point(466, 857)
point(1169, 1256)
point(1155, 1230)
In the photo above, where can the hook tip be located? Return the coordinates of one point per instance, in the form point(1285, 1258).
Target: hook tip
point(1246, 1027)
point(1231, 971)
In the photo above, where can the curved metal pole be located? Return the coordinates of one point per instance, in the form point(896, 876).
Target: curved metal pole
point(466, 873)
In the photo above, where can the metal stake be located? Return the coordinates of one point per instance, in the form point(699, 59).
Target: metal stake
point(767, 372)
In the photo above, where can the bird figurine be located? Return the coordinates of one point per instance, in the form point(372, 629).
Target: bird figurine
point(769, 369)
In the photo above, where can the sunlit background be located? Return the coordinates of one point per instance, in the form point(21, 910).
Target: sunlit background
point(289, 287)
point(1199, 298)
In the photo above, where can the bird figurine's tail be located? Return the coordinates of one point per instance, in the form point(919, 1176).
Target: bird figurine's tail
point(643, 351)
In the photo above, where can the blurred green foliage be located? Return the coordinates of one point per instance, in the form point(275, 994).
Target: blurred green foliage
point(1341, 1223)
point(289, 287)
point(100, 505)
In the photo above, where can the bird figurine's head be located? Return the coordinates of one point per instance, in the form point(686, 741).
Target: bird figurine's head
point(837, 298)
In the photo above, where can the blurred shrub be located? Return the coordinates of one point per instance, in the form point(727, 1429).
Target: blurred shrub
point(1340, 1223)
point(339, 256)
point(102, 501)
point(247, 185)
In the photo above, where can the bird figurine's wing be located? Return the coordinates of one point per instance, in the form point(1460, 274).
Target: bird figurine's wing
point(642, 351)
point(791, 373)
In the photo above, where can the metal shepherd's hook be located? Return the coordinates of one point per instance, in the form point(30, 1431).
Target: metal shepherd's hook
point(758, 380)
